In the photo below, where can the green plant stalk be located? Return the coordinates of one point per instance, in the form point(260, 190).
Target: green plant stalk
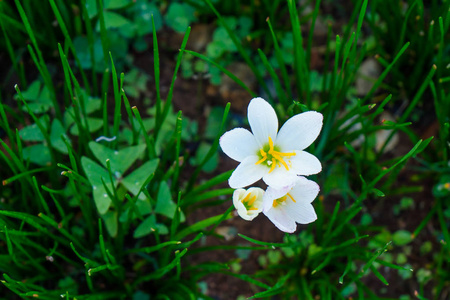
point(12, 55)
point(211, 150)
point(117, 101)
point(300, 64)
point(178, 130)
point(280, 92)
point(168, 103)
point(40, 63)
point(411, 106)
point(156, 72)
point(69, 42)
point(222, 69)
point(280, 60)
point(90, 37)
point(127, 105)
point(240, 49)
point(150, 142)
point(311, 31)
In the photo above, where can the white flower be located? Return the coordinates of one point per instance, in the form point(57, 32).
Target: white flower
point(248, 203)
point(292, 204)
point(277, 158)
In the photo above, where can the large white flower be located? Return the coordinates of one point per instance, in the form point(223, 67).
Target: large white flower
point(276, 157)
point(292, 204)
point(248, 203)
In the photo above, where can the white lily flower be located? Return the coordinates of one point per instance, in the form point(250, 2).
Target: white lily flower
point(248, 203)
point(276, 157)
point(292, 204)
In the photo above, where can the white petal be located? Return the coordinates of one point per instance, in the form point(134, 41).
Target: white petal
point(281, 220)
point(275, 193)
point(240, 194)
point(263, 120)
point(247, 172)
point(238, 144)
point(300, 131)
point(280, 178)
point(304, 163)
point(305, 191)
point(302, 213)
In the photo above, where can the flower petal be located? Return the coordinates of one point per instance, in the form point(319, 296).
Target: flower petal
point(238, 144)
point(281, 220)
point(280, 178)
point(302, 213)
point(256, 206)
point(299, 131)
point(247, 172)
point(275, 193)
point(263, 120)
point(304, 163)
point(305, 191)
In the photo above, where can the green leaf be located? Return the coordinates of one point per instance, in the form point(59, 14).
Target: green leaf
point(402, 237)
point(95, 173)
point(142, 206)
point(113, 20)
point(164, 203)
point(143, 22)
point(38, 154)
point(32, 133)
point(110, 219)
point(55, 137)
point(212, 163)
point(135, 180)
point(38, 97)
point(120, 160)
point(149, 225)
point(180, 16)
point(93, 123)
point(115, 4)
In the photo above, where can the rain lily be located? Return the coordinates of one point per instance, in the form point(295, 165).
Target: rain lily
point(248, 203)
point(292, 204)
point(275, 156)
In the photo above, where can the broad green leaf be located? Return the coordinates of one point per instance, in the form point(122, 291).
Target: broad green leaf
point(202, 150)
point(115, 4)
point(91, 7)
point(120, 160)
point(38, 154)
point(95, 173)
point(39, 100)
point(113, 20)
point(55, 136)
point(143, 21)
point(135, 180)
point(93, 123)
point(142, 206)
point(402, 237)
point(149, 225)
point(180, 16)
point(110, 219)
point(32, 133)
point(164, 202)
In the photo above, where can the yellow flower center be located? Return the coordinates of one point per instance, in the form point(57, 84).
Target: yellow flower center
point(282, 200)
point(270, 155)
point(248, 201)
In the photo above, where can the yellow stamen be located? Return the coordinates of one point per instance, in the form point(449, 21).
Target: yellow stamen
point(274, 158)
point(291, 197)
point(251, 201)
point(281, 200)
